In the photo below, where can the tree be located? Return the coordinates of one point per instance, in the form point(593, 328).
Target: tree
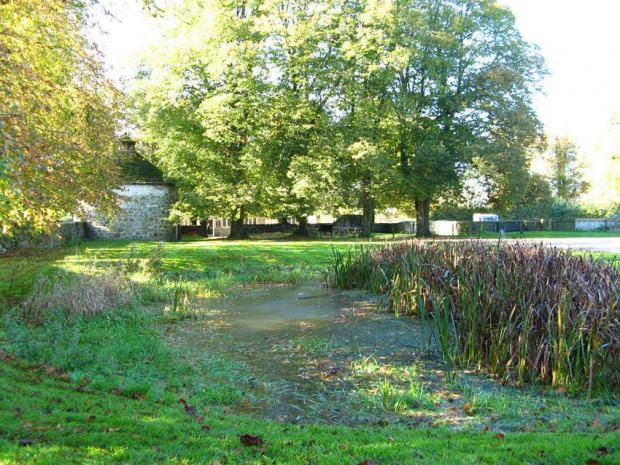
point(464, 77)
point(566, 172)
point(366, 120)
point(58, 115)
point(303, 56)
point(201, 101)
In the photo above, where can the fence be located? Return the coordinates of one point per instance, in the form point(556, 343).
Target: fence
point(476, 227)
point(472, 228)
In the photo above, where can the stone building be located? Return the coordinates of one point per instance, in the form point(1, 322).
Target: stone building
point(145, 201)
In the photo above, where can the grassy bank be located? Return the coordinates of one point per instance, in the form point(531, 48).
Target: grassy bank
point(89, 372)
point(47, 420)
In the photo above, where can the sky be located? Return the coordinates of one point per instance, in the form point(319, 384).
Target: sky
point(579, 39)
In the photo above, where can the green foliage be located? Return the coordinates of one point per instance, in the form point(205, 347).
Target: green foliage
point(566, 170)
point(199, 102)
point(287, 107)
point(58, 115)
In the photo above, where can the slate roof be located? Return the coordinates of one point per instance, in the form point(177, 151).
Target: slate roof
point(135, 168)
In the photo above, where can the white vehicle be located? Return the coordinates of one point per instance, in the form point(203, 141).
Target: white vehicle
point(485, 217)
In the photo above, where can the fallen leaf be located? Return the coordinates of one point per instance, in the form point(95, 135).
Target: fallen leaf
point(5, 356)
point(49, 370)
point(112, 430)
point(249, 440)
point(598, 424)
point(312, 443)
point(40, 428)
point(592, 462)
point(344, 446)
point(500, 436)
point(206, 427)
point(90, 418)
point(367, 462)
point(26, 424)
point(602, 451)
point(63, 377)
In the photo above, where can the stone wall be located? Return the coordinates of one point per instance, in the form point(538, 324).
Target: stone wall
point(592, 224)
point(65, 231)
point(144, 215)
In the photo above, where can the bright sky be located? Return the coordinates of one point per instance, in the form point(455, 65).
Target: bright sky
point(579, 39)
point(581, 42)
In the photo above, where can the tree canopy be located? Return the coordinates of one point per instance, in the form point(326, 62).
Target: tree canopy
point(58, 115)
point(285, 107)
point(566, 171)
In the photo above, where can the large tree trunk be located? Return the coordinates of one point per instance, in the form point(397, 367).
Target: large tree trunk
point(422, 210)
point(237, 229)
point(368, 213)
point(302, 229)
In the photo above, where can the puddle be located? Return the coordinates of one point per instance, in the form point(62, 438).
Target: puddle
point(259, 312)
point(299, 344)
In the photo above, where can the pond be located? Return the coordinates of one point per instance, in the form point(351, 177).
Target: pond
point(326, 356)
point(300, 344)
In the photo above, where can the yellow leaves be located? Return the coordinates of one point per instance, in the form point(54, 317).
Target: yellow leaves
point(60, 120)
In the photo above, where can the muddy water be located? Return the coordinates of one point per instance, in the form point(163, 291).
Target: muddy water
point(299, 343)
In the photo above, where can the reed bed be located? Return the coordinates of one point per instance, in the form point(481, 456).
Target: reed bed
point(527, 313)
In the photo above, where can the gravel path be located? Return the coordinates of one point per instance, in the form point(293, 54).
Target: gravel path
point(594, 244)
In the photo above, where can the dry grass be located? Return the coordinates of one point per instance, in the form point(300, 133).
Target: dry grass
point(72, 296)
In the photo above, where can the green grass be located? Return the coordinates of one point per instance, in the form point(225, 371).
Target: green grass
point(107, 388)
point(68, 425)
point(219, 265)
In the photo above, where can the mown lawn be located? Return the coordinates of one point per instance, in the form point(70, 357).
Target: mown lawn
point(111, 388)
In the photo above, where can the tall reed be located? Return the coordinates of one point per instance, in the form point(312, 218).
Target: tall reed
point(527, 313)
